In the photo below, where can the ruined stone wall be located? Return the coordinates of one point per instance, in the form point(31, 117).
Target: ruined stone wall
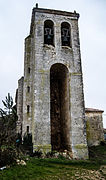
point(94, 127)
point(19, 103)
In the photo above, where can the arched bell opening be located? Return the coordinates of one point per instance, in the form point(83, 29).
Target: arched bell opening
point(60, 107)
point(49, 32)
point(65, 34)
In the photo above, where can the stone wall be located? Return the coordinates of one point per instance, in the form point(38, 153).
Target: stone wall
point(94, 126)
point(28, 91)
point(39, 58)
point(19, 102)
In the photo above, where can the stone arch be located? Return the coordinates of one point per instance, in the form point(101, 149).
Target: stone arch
point(49, 32)
point(65, 34)
point(60, 107)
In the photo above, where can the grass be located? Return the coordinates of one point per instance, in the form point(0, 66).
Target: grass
point(59, 169)
point(98, 153)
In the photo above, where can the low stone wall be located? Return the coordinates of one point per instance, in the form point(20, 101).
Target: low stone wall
point(94, 126)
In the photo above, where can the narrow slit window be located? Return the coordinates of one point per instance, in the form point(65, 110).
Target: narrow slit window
point(65, 34)
point(28, 108)
point(29, 70)
point(48, 32)
point(27, 129)
point(28, 89)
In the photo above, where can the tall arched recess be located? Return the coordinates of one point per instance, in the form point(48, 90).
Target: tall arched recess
point(60, 107)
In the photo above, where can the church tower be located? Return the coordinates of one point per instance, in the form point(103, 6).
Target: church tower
point(50, 95)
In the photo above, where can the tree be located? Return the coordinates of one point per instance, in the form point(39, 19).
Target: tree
point(8, 118)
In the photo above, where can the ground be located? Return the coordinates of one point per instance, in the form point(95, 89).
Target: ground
point(61, 168)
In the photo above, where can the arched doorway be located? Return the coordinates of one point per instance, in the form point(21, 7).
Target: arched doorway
point(60, 107)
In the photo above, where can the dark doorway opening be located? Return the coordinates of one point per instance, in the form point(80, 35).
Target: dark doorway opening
point(60, 110)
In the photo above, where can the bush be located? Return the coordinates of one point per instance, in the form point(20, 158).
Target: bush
point(103, 143)
point(27, 143)
point(37, 154)
point(8, 156)
point(50, 154)
point(18, 140)
point(8, 118)
point(60, 156)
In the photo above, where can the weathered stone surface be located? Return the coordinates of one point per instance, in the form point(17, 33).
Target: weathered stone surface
point(67, 124)
point(94, 126)
point(19, 103)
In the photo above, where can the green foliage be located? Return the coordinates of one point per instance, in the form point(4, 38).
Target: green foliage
point(98, 153)
point(61, 157)
point(8, 118)
point(9, 111)
point(55, 168)
point(27, 143)
point(37, 154)
point(48, 169)
point(18, 140)
point(50, 154)
point(8, 156)
point(8, 104)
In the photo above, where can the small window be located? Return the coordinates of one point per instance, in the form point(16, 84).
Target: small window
point(65, 34)
point(28, 108)
point(48, 32)
point(29, 70)
point(28, 89)
point(27, 129)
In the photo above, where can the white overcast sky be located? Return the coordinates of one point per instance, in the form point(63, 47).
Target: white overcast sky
point(15, 18)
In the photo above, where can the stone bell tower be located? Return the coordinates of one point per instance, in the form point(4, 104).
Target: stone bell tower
point(50, 99)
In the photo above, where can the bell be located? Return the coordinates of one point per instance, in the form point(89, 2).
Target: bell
point(48, 37)
point(65, 39)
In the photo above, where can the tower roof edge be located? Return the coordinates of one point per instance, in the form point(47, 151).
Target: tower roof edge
point(57, 12)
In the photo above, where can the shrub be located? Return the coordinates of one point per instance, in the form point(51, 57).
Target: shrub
point(37, 154)
point(102, 143)
point(50, 154)
point(27, 143)
point(60, 156)
point(8, 156)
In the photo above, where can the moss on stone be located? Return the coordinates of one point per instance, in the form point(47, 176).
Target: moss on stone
point(80, 146)
point(43, 148)
point(76, 74)
point(88, 130)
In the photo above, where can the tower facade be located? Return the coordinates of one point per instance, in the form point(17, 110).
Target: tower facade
point(51, 99)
